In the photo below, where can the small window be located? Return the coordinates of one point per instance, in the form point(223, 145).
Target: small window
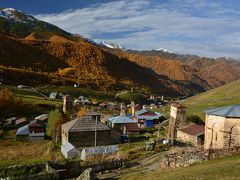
point(216, 137)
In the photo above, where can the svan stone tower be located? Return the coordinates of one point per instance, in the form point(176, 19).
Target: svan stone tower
point(67, 104)
point(177, 119)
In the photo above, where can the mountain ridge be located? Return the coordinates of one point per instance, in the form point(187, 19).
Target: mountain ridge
point(43, 48)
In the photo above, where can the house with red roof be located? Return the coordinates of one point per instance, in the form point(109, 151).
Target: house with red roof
point(147, 118)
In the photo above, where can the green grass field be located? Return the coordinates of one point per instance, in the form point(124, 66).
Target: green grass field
point(31, 97)
point(220, 168)
point(228, 94)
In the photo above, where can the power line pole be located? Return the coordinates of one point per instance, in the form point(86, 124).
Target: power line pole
point(96, 132)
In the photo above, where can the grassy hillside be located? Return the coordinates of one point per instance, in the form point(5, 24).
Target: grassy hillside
point(228, 94)
point(220, 168)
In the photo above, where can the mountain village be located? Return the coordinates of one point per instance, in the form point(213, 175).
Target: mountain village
point(74, 108)
point(98, 132)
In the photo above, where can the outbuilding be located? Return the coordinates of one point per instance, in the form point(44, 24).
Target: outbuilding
point(69, 151)
point(191, 133)
point(100, 151)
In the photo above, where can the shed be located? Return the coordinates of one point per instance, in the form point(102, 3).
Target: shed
point(22, 133)
point(191, 133)
point(36, 136)
point(69, 151)
point(103, 151)
point(54, 95)
point(42, 118)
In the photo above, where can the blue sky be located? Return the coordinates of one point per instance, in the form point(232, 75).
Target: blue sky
point(202, 27)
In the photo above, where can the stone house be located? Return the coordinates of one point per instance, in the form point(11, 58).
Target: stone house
point(222, 127)
point(191, 133)
point(80, 132)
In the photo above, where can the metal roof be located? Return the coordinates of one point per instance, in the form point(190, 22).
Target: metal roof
point(193, 129)
point(101, 150)
point(23, 130)
point(228, 111)
point(67, 147)
point(121, 120)
point(84, 124)
point(148, 117)
point(42, 117)
point(141, 112)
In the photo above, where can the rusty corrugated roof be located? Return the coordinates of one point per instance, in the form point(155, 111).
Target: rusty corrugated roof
point(193, 129)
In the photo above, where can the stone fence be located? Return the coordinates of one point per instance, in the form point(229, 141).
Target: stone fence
point(52, 171)
point(186, 158)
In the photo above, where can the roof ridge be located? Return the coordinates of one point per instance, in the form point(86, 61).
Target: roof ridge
point(232, 107)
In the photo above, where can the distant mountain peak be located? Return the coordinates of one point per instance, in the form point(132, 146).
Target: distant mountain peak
point(165, 50)
point(16, 15)
point(111, 45)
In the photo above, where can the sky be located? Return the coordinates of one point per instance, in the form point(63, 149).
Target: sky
point(202, 27)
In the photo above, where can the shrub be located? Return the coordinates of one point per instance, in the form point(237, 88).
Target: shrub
point(55, 120)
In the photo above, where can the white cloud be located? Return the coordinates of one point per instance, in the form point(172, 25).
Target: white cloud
point(154, 26)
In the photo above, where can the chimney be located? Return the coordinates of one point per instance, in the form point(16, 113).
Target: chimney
point(133, 107)
point(122, 110)
point(67, 103)
point(132, 90)
point(162, 98)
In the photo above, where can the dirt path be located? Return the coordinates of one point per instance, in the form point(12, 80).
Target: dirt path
point(151, 163)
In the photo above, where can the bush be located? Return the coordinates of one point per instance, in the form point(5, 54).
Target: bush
point(10, 106)
point(55, 120)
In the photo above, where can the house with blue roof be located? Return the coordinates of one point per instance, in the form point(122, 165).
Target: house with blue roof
point(34, 131)
point(147, 118)
point(222, 127)
point(124, 123)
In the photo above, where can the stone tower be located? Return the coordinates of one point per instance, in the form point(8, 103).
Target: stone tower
point(122, 109)
point(177, 119)
point(133, 107)
point(67, 103)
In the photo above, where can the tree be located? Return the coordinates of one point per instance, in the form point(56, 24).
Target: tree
point(10, 106)
point(55, 120)
point(82, 112)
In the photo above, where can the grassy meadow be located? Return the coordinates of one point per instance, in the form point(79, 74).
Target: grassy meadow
point(226, 95)
point(220, 168)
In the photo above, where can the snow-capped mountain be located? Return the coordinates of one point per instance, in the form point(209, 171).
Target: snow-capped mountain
point(18, 23)
point(16, 15)
point(165, 50)
point(110, 45)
